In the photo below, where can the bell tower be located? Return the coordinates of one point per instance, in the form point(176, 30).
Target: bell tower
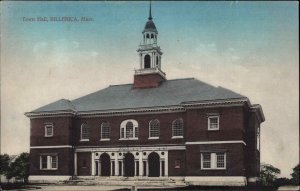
point(149, 74)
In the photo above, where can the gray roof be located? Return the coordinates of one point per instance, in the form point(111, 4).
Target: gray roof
point(60, 105)
point(169, 93)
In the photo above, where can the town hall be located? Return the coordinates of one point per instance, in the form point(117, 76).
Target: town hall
point(152, 128)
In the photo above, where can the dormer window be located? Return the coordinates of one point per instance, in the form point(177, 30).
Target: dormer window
point(129, 130)
point(213, 122)
point(49, 130)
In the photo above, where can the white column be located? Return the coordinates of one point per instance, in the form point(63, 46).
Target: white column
point(147, 170)
point(111, 167)
point(166, 163)
point(135, 168)
point(122, 167)
point(141, 62)
point(160, 167)
point(152, 60)
point(116, 165)
point(75, 163)
point(93, 163)
point(99, 168)
point(141, 164)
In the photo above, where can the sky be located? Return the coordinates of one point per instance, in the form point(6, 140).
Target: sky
point(249, 47)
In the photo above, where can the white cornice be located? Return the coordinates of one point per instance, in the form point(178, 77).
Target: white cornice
point(142, 111)
point(131, 148)
point(51, 147)
point(216, 142)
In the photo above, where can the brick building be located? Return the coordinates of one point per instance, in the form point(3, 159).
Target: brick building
point(154, 127)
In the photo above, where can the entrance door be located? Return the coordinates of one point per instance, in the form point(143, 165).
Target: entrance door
point(153, 161)
point(128, 165)
point(105, 164)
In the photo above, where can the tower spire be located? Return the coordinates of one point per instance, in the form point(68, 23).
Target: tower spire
point(150, 14)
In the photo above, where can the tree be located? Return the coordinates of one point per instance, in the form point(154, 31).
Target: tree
point(19, 168)
point(4, 165)
point(295, 175)
point(268, 175)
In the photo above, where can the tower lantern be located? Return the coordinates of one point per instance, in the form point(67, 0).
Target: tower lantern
point(149, 73)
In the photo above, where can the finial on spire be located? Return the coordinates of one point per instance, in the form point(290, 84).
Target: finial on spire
point(150, 15)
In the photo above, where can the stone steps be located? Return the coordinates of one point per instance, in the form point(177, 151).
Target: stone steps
point(126, 181)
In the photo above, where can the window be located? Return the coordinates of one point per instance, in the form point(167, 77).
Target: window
point(177, 163)
point(48, 162)
point(258, 139)
point(84, 132)
point(154, 129)
point(105, 131)
point(147, 61)
point(213, 123)
point(129, 130)
point(177, 128)
point(213, 160)
point(49, 130)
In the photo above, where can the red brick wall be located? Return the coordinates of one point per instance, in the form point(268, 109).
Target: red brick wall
point(176, 155)
point(252, 154)
point(143, 120)
point(235, 165)
point(147, 80)
point(84, 164)
point(231, 124)
point(65, 161)
point(61, 131)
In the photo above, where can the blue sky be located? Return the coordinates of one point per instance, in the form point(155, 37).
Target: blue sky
point(248, 47)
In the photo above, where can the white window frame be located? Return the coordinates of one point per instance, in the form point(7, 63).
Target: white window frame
point(81, 127)
point(49, 125)
point(209, 123)
point(213, 161)
point(49, 161)
point(135, 130)
point(152, 121)
point(177, 136)
point(105, 139)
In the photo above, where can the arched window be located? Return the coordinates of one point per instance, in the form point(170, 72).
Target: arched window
point(129, 129)
point(105, 131)
point(177, 128)
point(154, 128)
point(147, 60)
point(152, 35)
point(156, 60)
point(147, 36)
point(85, 132)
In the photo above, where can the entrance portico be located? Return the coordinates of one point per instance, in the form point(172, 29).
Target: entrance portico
point(129, 161)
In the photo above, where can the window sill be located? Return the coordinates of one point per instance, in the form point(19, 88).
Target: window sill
point(153, 138)
point(107, 139)
point(213, 129)
point(84, 140)
point(213, 168)
point(48, 169)
point(177, 137)
point(126, 139)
